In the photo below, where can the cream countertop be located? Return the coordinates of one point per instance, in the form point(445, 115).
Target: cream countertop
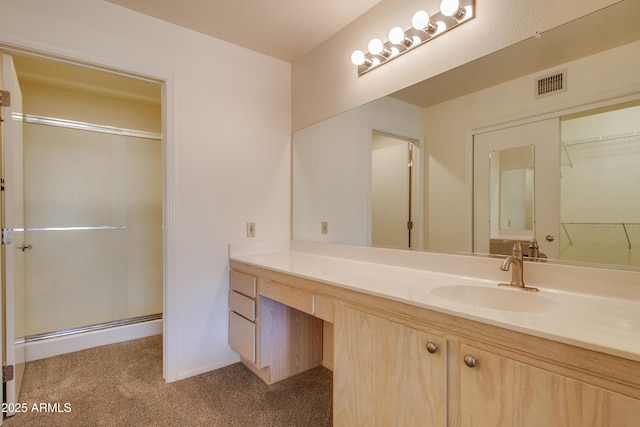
point(604, 318)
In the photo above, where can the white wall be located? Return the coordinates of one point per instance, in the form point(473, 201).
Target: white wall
point(447, 126)
point(331, 169)
point(228, 134)
point(72, 105)
point(325, 82)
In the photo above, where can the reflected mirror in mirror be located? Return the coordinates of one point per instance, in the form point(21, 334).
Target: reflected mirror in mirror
point(512, 202)
point(511, 193)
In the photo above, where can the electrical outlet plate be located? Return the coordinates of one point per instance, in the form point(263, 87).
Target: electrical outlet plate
point(251, 229)
point(324, 227)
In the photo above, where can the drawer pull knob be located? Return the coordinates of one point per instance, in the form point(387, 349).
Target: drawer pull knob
point(470, 361)
point(432, 347)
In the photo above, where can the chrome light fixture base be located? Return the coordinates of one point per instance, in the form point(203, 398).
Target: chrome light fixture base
point(438, 24)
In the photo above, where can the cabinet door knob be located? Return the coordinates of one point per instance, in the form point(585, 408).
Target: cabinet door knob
point(432, 347)
point(470, 361)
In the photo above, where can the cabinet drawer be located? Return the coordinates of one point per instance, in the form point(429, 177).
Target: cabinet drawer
point(244, 306)
point(295, 298)
point(242, 336)
point(242, 283)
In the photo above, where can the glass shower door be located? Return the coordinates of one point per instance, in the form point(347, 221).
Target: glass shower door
point(93, 210)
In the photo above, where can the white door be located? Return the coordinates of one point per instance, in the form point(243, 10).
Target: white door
point(544, 135)
point(391, 192)
point(12, 219)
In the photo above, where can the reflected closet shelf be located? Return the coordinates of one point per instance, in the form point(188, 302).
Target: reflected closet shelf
point(613, 226)
point(617, 137)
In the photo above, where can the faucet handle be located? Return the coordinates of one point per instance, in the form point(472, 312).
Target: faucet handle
point(517, 246)
point(516, 251)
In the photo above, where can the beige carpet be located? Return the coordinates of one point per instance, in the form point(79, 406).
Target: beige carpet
point(122, 385)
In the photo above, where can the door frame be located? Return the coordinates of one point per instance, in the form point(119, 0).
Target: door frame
point(28, 47)
point(605, 99)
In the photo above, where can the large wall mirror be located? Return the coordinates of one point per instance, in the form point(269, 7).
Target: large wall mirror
point(568, 159)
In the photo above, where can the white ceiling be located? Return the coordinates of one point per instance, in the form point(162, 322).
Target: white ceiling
point(607, 28)
point(283, 29)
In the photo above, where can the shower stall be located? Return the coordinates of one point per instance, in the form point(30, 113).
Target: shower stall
point(93, 221)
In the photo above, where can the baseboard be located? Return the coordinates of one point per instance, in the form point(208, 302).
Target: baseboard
point(205, 369)
point(328, 365)
point(68, 344)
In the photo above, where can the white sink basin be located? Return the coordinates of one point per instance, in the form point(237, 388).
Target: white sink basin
point(497, 298)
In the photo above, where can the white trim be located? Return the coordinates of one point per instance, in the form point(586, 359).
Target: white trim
point(208, 368)
point(469, 185)
point(27, 46)
point(170, 297)
point(36, 350)
point(30, 47)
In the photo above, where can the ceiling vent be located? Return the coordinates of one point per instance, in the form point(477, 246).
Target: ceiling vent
point(551, 84)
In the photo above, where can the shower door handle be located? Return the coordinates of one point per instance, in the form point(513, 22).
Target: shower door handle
point(24, 246)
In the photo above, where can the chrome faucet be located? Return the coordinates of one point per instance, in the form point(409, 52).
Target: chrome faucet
point(516, 262)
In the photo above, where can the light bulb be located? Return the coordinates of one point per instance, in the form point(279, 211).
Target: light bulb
point(452, 8)
point(420, 20)
point(357, 57)
point(375, 46)
point(449, 7)
point(397, 35)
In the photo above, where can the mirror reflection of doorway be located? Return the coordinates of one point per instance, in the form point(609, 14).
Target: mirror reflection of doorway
point(544, 135)
point(393, 172)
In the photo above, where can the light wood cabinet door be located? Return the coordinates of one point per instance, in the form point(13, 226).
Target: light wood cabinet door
point(384, 375)
point(499, 391)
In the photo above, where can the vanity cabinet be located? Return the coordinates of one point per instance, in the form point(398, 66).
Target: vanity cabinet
point(401, 364)
point(499, 391)
point(275, 340)
point(386, 373)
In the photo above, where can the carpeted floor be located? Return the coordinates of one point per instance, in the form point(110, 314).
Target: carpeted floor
point(122, 385)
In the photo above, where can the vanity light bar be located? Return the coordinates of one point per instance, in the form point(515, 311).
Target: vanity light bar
point(425, 27)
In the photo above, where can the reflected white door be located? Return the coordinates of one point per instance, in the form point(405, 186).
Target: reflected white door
point(544, 135)
point(13, 219)
point(391, 192)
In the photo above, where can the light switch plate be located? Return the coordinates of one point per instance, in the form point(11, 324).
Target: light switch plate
point(251, 229)
point(324, 227)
